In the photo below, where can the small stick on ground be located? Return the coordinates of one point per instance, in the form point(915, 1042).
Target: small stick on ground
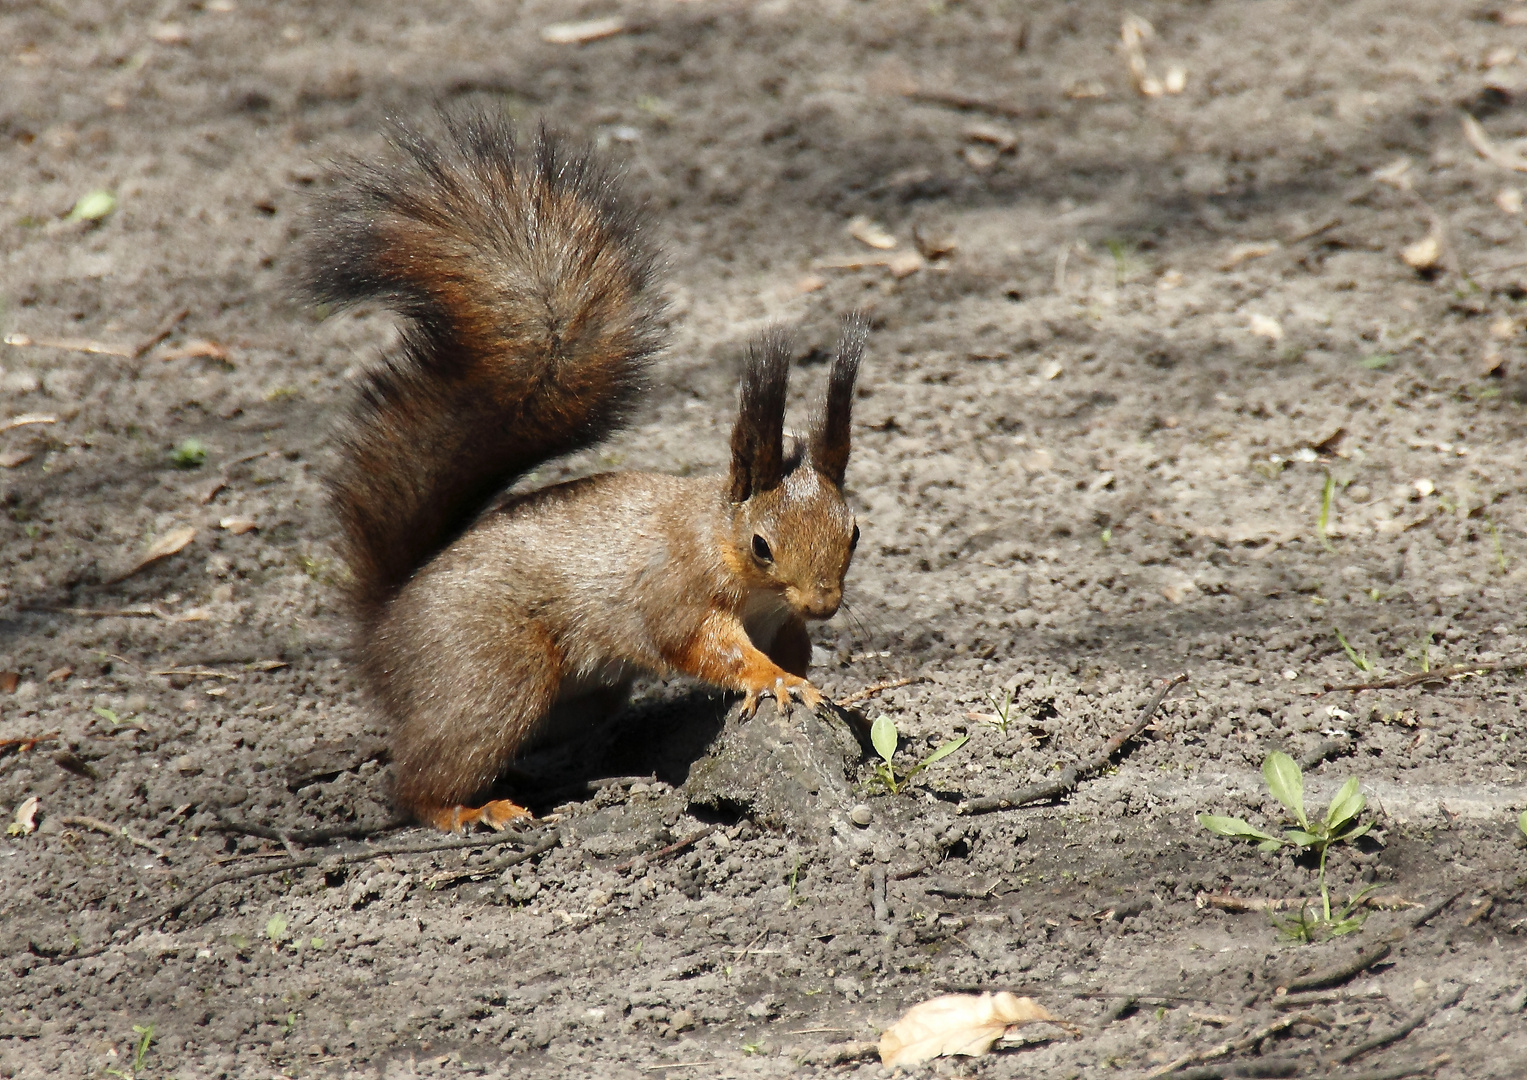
point(1398, 1033)
point(966, 103)
point(1226, 902)
point(349, 858)
point(1441, 675)
point(1429, 913)
point(1235, 1046)
point(1335, 976)
point(310, 837)
point(878, 688)
point(25, 744)
point(164, 330)
point(97, 825)
point(1400, 1072)
point(1072, 775)
point(671, 849)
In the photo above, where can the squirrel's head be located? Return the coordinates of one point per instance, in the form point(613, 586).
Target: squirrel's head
point(792, 530)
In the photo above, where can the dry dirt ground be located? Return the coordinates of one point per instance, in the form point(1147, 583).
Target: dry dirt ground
point(1148, 338)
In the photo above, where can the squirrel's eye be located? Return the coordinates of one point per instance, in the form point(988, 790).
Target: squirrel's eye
point(853, 541)
point(761, 550)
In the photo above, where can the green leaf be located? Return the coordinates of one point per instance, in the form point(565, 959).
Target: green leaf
point(1346, 804)
point(1269, 845)
point(1521, 823)
point(944, 751)
point(1235, 827)
point(883, 737)
point(275, 928)
point(93, 207)
point(1286, 783)
point(1302, 838)
point(1361, 830)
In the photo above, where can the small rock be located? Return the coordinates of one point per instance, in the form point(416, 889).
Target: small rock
point(682, 1020)
point(860, 815)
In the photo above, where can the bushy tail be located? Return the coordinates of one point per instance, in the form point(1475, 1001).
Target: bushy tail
point(528, 287)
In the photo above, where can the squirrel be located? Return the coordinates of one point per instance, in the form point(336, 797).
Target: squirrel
point(485, 623)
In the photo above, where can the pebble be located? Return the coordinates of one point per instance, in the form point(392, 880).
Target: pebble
point(860, 815)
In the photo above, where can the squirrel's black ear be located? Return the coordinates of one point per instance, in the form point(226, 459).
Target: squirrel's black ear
point(828, 450)
point(758, 460)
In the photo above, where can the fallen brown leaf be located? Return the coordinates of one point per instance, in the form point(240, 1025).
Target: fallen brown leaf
point(958, 1024)
point(9, 680)
point(1480, 140)
point(238, 526)
point(167, 545)
point(11, 458)
point(579, 33)
point(871, 234)
point(25, 822)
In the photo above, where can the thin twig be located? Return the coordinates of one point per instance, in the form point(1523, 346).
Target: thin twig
point(164, 330)
point(966, 103)
point(1072, 775)
point(25, 744)
point(128, 932)
point(1226, 902)
point(1431, 912)
point(878, 688)
point(97, 825)
point(1400, 1072)
point(1396, 1034)
point(663, 853)
point(1441, 675)
point(1335, 976)
point(1235, 1046)
point(309, 837)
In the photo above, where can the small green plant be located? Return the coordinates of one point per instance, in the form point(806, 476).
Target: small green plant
point(1327, 495)
point(275, 929)
point(792, 900)
point(145, 1033)
point(1500, 552)
point(884, 737)
point(1286, 782)
point(189, 454)
point(1105, 537)
point(1376, 361)
point(1521, 823)
point(1000, 710)
point(1360, 660)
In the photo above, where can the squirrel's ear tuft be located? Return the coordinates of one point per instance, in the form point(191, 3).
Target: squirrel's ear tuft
point(758, 460)
point(830, 439)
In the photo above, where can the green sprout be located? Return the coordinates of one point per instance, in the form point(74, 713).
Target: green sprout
point(1500, 552)
point(1286, 782)
point(188, 454)
point(884, 737)
point(1326, 497)
point(1359, 659)
point(1521, 823)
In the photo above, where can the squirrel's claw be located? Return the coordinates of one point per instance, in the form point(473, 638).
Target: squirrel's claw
point(750, 703)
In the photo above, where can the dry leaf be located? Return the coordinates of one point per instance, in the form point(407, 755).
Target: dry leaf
point(166, 545)
point(59, 674)
point(1003, 139)
point(9, 680)
point(933, 244)
point(577, 33)
point(871, 234)
point(1425, 253)
point(1266, 326)
point(1246, 252)
point(964, 1024)
point(810, 283)
point(11, 458)
point(980, 158)
point(1475, 133)
point(1052, 370)
point(26, 819)
point(198, 348)
point(1509, 200)
point(26, 419)
point(904, 264)
point(1396, 174)
point(238, 526)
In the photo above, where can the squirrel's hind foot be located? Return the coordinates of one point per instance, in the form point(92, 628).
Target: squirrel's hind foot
point(496, 815)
